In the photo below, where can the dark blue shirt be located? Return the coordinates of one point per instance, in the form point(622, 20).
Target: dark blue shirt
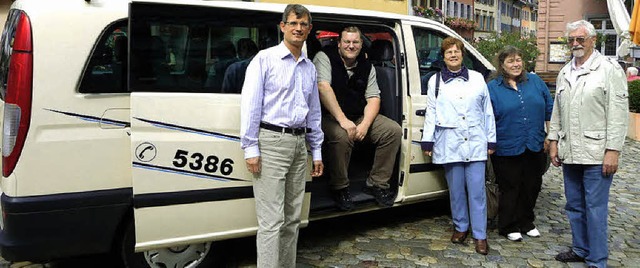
point(520, 114)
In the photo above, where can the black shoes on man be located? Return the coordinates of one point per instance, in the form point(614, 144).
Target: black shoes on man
point(569, 256)
point(383, 197)
point(343, 198)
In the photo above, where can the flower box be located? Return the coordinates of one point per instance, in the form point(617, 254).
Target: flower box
point(428, 12)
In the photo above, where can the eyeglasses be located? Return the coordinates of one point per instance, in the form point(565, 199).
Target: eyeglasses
point(452, 52)
point(295, 24)
point(580, 39)
point(355, 43)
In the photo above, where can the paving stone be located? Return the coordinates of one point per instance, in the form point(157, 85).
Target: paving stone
point(470, 262)
point(535, 263)
point(489, 265)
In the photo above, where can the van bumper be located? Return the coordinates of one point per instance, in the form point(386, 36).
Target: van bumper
point(41, 228)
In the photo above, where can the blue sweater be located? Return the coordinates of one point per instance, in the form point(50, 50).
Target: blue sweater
point(520, 114)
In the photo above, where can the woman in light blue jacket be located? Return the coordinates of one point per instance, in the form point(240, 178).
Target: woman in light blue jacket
point(459, 132)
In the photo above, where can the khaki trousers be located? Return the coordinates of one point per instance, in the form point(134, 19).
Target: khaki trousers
point(279, 193)
point(384, 133)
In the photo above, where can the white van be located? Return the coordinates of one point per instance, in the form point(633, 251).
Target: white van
point(121, 123)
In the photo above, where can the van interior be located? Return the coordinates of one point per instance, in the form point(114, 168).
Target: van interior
point(380, 47)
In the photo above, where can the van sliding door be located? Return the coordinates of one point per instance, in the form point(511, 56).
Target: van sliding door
point(190, 183)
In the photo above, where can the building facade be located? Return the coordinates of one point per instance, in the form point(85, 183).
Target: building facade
point(459, 15)
point(529, 18)
point(428, 3)
point(393, 6)
point(553, 18)
point(485, 16)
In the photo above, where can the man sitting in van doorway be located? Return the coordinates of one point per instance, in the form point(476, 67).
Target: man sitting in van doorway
point(350, 97)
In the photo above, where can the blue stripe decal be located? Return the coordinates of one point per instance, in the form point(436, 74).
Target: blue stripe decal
point(94, 118)
point(184, 172)
point(190, 130)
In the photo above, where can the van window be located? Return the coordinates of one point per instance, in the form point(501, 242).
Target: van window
point(177, 48)
point(6, 48)
point(106, 71)
point(430, 59)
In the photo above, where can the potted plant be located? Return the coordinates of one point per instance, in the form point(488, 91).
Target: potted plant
point(634, 110)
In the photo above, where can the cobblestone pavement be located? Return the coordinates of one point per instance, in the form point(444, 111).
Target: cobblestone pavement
point(418, 235)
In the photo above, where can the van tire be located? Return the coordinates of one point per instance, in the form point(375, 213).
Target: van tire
point(132, 259)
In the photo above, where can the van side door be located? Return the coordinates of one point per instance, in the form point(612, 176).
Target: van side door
point(424, 180)
point(186, 63)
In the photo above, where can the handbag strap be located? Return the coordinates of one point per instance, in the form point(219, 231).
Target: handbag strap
point(437, 83)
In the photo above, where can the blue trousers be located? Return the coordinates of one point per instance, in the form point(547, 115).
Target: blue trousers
point(587, 193)
point(468, 197)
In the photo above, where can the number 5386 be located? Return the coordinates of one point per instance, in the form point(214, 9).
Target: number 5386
point(197, 161)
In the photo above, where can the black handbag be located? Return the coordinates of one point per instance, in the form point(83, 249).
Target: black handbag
point(493, 193)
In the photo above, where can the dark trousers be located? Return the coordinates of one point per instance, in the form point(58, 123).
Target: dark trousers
point(519, 179)
point(385, 133)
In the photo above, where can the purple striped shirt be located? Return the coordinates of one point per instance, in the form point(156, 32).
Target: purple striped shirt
point(281, 91)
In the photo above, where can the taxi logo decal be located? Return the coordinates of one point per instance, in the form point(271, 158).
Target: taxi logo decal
point(145, 152)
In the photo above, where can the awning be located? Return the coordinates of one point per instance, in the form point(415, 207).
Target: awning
point(620, 18)
point(634, 26)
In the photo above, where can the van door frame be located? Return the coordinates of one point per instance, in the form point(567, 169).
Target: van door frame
point(423, 180)
point(177, 200)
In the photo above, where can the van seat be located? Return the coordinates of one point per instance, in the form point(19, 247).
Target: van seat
point(381, 55)
point(313, 47)
point(121, 54)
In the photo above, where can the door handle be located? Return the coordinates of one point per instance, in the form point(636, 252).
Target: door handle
point(421, 112)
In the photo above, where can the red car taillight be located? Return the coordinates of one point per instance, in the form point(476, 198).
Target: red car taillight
point(17, 108)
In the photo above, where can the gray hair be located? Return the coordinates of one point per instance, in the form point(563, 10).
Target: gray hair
point(297, 9)
point(572, 26)
point(632, 70)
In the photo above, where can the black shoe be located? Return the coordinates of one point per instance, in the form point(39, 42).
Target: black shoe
point(343, 199)
point(569, 256)
point(384, 197)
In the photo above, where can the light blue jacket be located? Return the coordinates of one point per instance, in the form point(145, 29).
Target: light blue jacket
point(459, 125)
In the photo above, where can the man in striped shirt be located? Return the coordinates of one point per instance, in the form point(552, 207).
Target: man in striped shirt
point(280, 114)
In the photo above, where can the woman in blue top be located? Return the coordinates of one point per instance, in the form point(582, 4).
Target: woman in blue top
point(522, 106)
point(459, 132)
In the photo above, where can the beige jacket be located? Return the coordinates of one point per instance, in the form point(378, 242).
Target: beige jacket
point(592, 115)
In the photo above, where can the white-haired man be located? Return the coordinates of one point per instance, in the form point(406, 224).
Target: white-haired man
point(587, 131)
point(632, 74)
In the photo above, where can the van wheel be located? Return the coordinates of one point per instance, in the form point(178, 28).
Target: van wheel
point(187, 256)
